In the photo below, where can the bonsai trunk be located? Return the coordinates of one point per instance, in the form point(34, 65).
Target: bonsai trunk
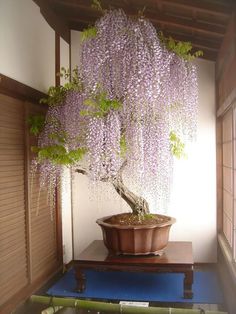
point(138, 205)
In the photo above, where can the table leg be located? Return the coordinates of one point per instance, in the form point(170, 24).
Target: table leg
point(188, 281)
point(80, 280)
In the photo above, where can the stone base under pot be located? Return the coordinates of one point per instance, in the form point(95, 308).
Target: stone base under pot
point(136, 239)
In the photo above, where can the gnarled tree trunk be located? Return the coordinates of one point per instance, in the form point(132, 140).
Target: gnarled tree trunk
point(138, 204)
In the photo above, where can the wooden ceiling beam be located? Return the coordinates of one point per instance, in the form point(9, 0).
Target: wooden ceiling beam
point(156, 18)
point(77, 26)
point(216, 9)
point(210, 51)
point(204, 6)
point(207, 54)
point(56, 22)
point(196, 41)
point(187, 24)
point(202, 22)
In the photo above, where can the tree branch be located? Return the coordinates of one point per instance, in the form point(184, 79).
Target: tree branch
point(138, 204)
point(82, 171)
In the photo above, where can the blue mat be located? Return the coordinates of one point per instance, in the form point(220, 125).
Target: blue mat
point(131, 286)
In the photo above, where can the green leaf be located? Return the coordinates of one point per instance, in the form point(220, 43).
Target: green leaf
point(35, 149)
point(56, 94)
point(36, 123)
point(181, 48)
point(100, 105)
point(58, 154)
point(97, 5)
point(59, 137)
point(123, 146)
point(77, 154)
point(90, 102)
point(89, 33)
point(176, 145)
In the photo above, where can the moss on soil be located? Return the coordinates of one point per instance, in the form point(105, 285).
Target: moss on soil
point(126, 219)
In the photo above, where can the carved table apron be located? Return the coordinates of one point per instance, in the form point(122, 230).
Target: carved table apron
point(177, 258)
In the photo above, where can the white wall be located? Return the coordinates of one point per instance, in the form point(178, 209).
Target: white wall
point(66, 213)
point(66, 208)
point(64, 57)
point(193, 200)
point(27, 44)
point(75, 48)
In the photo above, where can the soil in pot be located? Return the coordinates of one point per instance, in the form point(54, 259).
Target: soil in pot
point(126, 219)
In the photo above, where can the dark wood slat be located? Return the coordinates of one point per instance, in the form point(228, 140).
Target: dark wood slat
point(7, 263)
point(42, 204)
point(50, 235)
point(41, 227)
point(10, 162)
point(49, 266)
point(11, 158)
point(12, 195)
point(11, 209)
point(10, 104)
point(43, 215)
point(188, 24)
point(8, 174)
point(12, 151)
point(222, 9)
point(44, 261)
point(14, 244)
point(203, 22)
point(9, 289)
point(16, 89)
point(157, 18)
point(10, 218)
point(11, 130)
point(42, 249)
point(41, 261)
point(201, 42)
point(5, 169)
point(86, 14)
point(11, 232)
point(14, 281)
point(17, 254)
point(15, 214)
point(204, 6)
point(12, 224)
point(57, 23)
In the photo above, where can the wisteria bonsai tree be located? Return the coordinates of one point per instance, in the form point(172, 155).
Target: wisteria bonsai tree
point(130, 107)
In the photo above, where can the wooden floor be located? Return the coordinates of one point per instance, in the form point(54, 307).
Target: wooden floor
point(34, 308)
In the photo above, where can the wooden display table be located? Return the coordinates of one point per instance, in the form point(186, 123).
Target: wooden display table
point(177, 258)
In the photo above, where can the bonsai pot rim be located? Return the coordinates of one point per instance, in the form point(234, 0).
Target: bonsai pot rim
point(102, 222)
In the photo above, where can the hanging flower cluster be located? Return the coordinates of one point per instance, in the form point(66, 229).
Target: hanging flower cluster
point(136, 99)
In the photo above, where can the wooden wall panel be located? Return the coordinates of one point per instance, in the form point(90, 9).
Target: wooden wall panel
point(29, 253)
point(43, 228)
point(13, 248)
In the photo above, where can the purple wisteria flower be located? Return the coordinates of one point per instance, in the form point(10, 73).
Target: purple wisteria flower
point(157, 89)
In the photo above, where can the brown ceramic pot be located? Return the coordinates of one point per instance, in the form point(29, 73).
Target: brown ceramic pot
point(135, 239)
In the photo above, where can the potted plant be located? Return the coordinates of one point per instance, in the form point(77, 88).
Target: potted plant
point(129, 108)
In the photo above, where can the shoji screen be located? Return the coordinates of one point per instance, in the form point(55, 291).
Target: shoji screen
point(227, 143)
